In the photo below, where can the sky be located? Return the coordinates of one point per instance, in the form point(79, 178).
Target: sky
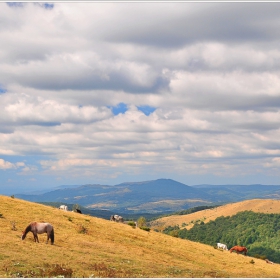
point(111, 92)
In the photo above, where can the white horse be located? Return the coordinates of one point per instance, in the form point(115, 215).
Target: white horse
point(117, 218)
point(63, 207)
point(222, 246)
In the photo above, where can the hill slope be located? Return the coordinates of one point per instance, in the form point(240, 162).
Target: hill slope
point(92, 247)
point(255, 205)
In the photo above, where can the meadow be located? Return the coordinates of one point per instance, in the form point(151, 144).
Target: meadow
point(266, 206)
point(87, 246)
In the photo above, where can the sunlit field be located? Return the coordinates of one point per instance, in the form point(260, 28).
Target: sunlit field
point(86, 246)
point(256, 205)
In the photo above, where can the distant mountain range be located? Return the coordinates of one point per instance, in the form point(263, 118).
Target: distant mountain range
point(162, 195)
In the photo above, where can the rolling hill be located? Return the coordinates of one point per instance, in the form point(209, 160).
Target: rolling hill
point(86, 246)
point(255, 205)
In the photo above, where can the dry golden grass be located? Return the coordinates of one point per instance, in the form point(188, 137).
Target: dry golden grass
point(92, 247)
point(255, 205)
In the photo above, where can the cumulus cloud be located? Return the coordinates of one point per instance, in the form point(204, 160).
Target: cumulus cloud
point(6, 165)
point(198, 83)
point(9, 165)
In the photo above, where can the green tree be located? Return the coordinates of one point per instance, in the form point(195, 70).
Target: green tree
point(141, 222)
point(75, 207)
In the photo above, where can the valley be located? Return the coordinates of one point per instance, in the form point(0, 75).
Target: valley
point(154, 197)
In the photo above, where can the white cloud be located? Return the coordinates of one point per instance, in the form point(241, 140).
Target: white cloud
point(6, 165)
point(215, 88)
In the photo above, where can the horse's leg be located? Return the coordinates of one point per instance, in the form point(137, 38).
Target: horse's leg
point(36, 237)
point(48, 237)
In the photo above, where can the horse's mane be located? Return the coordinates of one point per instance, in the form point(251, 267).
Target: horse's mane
point(28, 228)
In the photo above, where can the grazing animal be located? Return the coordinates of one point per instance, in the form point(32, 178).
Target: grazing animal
point(38, 228)
point(222, 246)
point(78, 211)
point(63, 207)
point(116, 218)
point(239, 249)
point(268, 261)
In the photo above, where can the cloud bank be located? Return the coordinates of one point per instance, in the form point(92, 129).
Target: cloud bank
point(111, 92)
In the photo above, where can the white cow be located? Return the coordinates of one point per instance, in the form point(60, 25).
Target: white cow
point(63, 207)
point(222, 246)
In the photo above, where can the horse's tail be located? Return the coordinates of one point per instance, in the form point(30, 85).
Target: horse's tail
point(52, 235)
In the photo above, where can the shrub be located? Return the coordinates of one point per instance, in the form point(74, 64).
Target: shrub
point(141, 222)
point(57, 270)
point(103, 271)
point(13, 225)
point(174, 233)
point(131, 223)
point(145, 228)
point(47, 271)
point(258, 256)
point(75, 207)
point(82, 229)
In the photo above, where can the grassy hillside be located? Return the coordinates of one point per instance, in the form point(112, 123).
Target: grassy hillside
point(187, 221)
point(86, 246)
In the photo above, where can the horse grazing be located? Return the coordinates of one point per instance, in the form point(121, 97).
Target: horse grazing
point(116, 218)
point(222, 246)
point(63, 207)
point(239, 249)
point(36, 228)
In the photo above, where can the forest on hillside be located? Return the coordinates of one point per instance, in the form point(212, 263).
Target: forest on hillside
point(259, 232)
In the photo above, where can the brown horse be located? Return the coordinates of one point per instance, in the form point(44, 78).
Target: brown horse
point(36, 228)
point(239, 249)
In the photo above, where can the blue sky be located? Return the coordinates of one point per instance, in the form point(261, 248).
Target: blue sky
point(112, 92)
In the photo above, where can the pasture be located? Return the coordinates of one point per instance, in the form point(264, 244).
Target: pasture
point(187, 221)
point(86, 246)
